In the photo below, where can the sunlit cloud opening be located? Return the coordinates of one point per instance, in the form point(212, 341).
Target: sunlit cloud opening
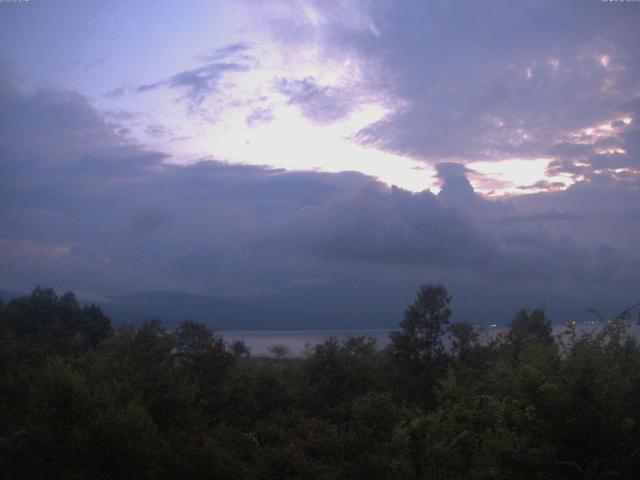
point(591, 135)
point(289, 140)
point(512, 175)
point(294, 143)
point(612, 151)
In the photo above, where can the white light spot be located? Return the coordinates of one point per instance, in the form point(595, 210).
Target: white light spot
point(516, 172)
point(612, 151)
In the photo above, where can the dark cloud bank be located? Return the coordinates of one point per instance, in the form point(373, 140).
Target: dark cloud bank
point(81, 207)
point(483, 81)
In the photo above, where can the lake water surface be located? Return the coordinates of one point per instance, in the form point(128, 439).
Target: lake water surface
point(259, 341)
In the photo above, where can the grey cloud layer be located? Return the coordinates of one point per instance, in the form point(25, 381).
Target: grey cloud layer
point(487, 81)
point(81, 206)
point(321, 104)
point(198, 82)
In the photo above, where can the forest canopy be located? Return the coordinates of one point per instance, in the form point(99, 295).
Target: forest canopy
point(82, 400)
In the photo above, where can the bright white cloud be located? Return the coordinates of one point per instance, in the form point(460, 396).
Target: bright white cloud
point(513, 174)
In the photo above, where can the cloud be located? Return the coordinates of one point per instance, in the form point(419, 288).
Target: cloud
point(320, 104)
point(456, 187)
point(376, 224)
point(117, 162)
point(225, 52)
point(95, 63)
point(115, 93)
point(198, 83)
point(469, 82)
point(157, 130)
point(149, 221)
point(48, 128)
point(543, 185)
point(260, 115)
point(83, 206)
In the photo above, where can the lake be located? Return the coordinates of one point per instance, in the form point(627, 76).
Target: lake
point(259, 341)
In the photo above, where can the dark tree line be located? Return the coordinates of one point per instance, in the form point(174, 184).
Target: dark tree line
point(79, 400)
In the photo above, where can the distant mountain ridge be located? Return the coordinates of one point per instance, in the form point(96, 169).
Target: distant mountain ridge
point(173, 307)
point(7, 295)
point(284, 312)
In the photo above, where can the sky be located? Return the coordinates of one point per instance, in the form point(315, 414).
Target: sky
point(332, 155)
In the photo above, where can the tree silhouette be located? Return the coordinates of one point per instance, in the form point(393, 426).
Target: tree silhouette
point(279, 351)
point(419, 340)
point(530, 328)
point(417, 347)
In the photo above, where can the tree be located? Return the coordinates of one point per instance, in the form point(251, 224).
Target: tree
point(98, 324)
point(279, 351)
point(57, 323)
point(240, 349)
point(530, 328)
point(417, 347)
point(362, 345)
point(464, 339)
point(419, 340)
point(204, 356)
point(193, 337)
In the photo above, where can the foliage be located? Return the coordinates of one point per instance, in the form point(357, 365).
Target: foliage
point(417, 347)
point(531, 327)
point(81, 401)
